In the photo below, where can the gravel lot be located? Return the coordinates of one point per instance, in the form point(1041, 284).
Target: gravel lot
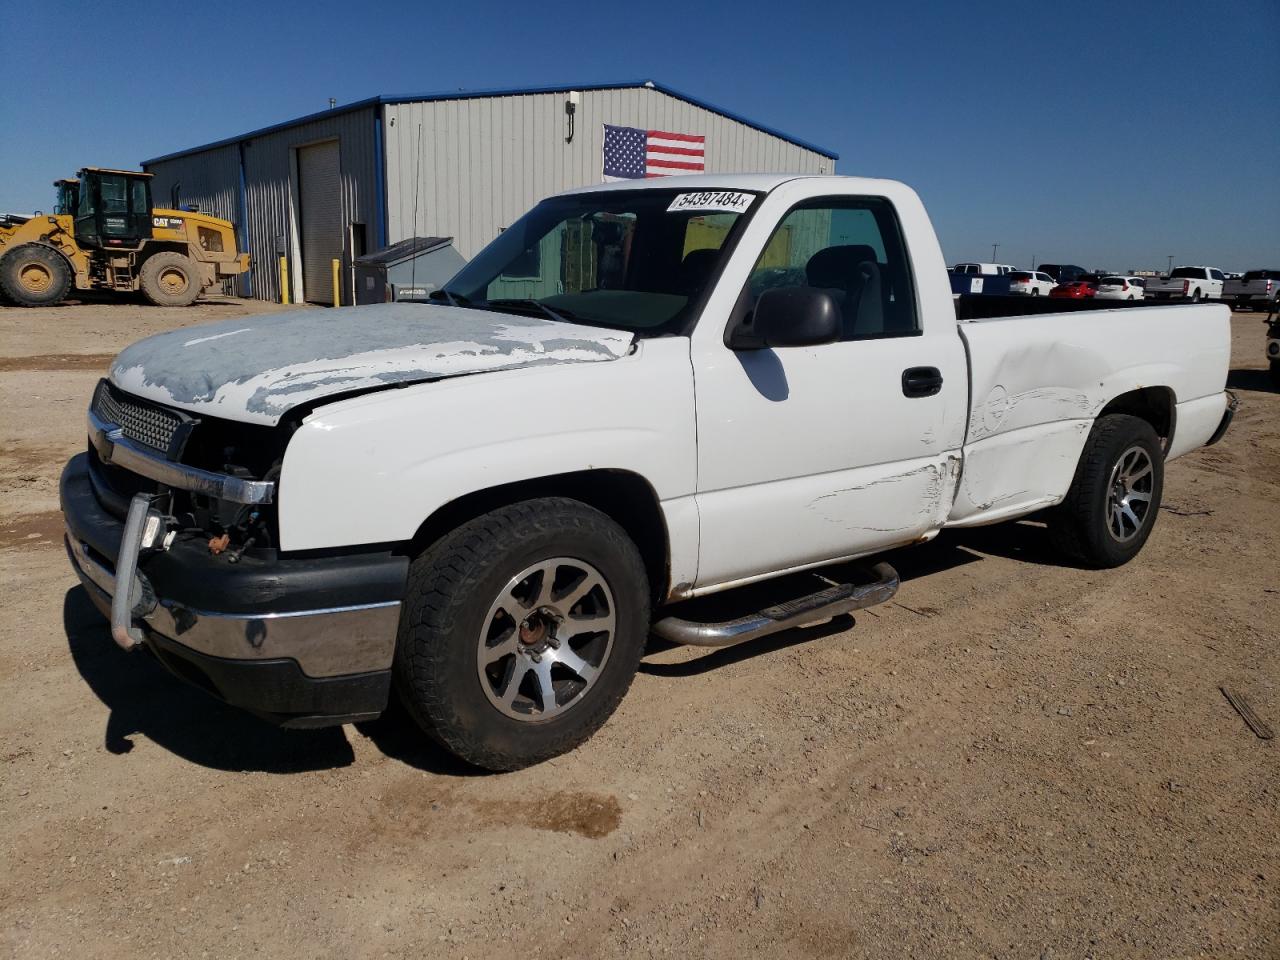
point(1014, 759)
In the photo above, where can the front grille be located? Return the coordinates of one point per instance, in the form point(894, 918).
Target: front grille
point(145, 423)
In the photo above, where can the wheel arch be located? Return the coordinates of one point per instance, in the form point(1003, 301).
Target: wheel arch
point(153, 247)
point(1156, 405)
point(625, 497)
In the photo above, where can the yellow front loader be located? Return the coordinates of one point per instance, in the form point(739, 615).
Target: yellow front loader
point(105, 235)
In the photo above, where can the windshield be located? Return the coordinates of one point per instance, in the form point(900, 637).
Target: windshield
point(1187, 273)
point(633, 260)
point(1262, 275)
point(1020, 275)
point(1112, 281)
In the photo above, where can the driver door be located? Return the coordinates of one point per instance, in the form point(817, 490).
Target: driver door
point(808, 454)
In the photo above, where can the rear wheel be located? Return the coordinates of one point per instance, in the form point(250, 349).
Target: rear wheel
point(1195, 297)
point(1035, 292)
point(521, 632)
point(34, 275)
point(1114, 498)
point(169, 279)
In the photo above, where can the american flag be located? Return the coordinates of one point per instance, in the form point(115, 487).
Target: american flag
point(633, 154)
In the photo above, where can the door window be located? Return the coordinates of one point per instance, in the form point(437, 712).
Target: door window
point(852, 248)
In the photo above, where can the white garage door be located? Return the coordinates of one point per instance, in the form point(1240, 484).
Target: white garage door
point(319, 182)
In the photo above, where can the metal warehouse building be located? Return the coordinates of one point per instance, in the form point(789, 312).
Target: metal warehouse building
point(347, 181)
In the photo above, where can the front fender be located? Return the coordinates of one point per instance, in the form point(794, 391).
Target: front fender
point(373, 468)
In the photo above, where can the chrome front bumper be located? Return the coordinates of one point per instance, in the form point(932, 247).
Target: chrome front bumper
point(247, 612)
point(324, 643)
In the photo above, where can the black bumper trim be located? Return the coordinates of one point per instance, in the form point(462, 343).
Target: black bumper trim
point(277, 690)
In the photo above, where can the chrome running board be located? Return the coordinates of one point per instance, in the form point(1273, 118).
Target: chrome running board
point(815, 608)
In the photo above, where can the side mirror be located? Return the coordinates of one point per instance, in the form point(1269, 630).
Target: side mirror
point(790, 317)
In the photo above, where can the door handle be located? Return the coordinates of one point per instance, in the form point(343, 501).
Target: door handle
point(921, 381)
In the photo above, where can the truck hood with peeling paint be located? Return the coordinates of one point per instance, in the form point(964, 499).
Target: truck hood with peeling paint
point(255, 369)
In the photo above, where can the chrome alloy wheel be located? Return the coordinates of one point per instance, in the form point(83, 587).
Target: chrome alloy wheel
point(1129, 494)
point(546, 639)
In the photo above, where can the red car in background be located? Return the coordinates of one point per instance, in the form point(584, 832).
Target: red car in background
point(1079, 289)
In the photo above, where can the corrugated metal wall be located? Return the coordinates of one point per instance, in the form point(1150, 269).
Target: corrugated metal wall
point(271, 191)
point(485, 161)
point(210, 179)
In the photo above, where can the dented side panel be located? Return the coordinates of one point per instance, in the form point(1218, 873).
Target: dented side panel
point(1038, 383)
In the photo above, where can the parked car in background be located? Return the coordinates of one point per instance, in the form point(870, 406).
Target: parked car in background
point(983, 269)
point(1031, 283)
point(1062, 272)
point(1085, 286)
point(1188, 283)
point(1256, 290)
point(1121, 288)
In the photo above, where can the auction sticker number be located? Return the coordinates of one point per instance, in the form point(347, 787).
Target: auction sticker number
point(711, 201)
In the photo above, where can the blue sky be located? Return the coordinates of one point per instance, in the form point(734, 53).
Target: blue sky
point(1105, 134)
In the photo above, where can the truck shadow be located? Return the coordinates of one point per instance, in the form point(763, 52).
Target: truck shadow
point(1258, 380)
point(144, 699)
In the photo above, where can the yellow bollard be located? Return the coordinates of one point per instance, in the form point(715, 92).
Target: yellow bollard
point(284, 281)
point(336, 298)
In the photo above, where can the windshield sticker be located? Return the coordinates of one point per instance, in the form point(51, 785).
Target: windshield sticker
point(708, 201)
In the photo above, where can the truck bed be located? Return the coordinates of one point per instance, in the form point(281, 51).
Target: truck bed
point(985, 307)
point(1038, 382)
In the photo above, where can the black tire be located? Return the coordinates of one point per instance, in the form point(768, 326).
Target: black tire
point(34, 275)
point(1275, 374)
point(452, 590)
point(1082, 526)
point(1195, 297)
point(1035, 292)
point(169, 279)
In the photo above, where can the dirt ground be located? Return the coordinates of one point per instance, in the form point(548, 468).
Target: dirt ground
point(1015, 759)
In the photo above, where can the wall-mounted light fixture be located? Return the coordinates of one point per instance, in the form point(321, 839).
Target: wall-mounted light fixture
point(570, 110)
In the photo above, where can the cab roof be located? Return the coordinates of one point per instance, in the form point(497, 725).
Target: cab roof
point(126, 173)
point(761, 182)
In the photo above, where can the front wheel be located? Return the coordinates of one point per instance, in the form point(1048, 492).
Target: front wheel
point(1114, 498)
point(521, 632)
point(34, 275)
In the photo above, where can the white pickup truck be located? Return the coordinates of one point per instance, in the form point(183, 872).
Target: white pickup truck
point(1188, 283)
point(638, 394)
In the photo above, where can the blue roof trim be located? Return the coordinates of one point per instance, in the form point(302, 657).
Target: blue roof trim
point(747, 121)
point(500, 92)
point(262, 131)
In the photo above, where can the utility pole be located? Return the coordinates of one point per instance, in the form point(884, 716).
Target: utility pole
point(994, 248)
